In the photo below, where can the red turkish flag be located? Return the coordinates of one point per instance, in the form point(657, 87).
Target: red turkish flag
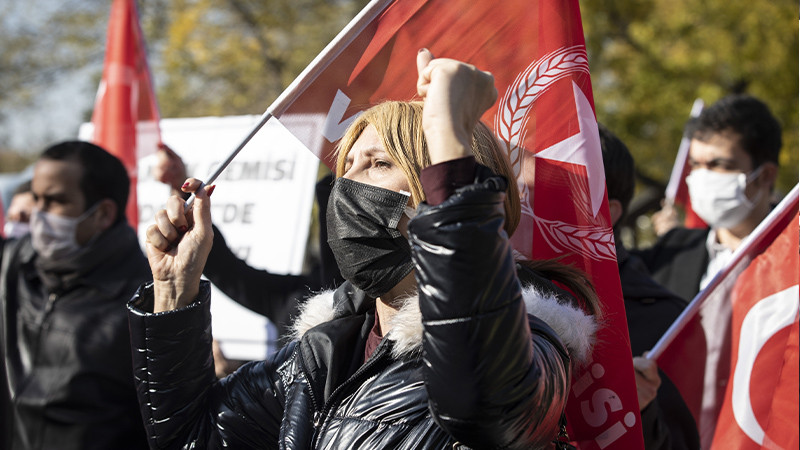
point(125, 97)
point(760, 407)
point(734, 351)
point(535, 50)
point(691, 219)
point(677, 192)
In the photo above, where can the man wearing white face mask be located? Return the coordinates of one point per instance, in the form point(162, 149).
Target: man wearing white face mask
point(734, 158)
point(68, 380)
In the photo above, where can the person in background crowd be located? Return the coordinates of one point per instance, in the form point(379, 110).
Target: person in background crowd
point(733, 155)
point(650, 310)
point(19, 212)
point(378, 363)
point(63, 288)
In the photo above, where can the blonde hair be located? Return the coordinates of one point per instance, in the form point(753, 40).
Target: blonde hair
point(399, 125)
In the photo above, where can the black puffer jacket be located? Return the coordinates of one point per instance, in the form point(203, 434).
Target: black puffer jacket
point(463, 363)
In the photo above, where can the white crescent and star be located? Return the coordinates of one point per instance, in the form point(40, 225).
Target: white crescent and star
point(583, 148)
point(764, 320)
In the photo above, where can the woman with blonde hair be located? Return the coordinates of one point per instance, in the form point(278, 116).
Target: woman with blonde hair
point(432, 342)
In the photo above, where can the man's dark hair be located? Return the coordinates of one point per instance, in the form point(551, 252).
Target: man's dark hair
point(103, 175)
point(746, 117)
point(618, 164)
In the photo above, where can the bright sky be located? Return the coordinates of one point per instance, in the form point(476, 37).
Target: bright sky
point(57, 112)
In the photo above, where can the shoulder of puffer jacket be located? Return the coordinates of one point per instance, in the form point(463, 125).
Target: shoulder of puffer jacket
point(575, 328)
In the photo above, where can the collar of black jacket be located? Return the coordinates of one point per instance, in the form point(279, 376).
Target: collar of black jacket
point(345, 336)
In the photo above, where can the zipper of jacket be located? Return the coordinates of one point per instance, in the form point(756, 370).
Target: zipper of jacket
point(320, 415)
point(48, 307)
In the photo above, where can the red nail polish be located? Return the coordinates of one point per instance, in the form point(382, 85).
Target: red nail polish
point(211, 189)
point(185, 185)
point(183, 228)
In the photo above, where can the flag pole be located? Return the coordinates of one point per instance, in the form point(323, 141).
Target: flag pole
point(767, 225)
point(345, 37)
point(680, 161)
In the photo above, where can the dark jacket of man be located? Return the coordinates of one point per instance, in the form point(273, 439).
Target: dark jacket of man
point(65, 345)
point(678, 260)
point(650, 309)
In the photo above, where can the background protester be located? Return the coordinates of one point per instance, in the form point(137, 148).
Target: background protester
point(650, 309)
point(734, 159)
point(377, 362)
point(63, 288)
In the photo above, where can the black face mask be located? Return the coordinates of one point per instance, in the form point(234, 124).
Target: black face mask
point(362, 233)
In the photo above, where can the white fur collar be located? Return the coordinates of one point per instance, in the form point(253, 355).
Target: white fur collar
point(575, 328)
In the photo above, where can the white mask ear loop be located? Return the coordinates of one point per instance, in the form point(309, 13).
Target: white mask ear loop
point(749, 179)
point(410, 211)
point(754, 174)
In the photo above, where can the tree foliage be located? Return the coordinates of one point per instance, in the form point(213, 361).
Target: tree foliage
point(236, 56)
point(651, 59)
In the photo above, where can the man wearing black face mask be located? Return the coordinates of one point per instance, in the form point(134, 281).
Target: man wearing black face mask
point(63, 330)
point(734, 158)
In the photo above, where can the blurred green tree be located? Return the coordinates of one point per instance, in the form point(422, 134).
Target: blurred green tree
point(650, 59)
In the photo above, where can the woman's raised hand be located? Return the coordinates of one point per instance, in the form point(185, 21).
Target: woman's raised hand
point(177, 247)
point(456, 95)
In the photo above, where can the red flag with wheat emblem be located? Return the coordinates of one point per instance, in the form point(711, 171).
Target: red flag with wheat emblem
point(535, 50)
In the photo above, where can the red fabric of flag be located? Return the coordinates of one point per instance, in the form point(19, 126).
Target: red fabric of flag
point(677, 192)
point(760, 406)
point(545, 115)
point(125, 96)
point(691, 219)
point(736, 361)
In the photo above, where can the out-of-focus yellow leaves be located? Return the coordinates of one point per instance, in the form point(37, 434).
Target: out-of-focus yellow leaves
point(651, 59)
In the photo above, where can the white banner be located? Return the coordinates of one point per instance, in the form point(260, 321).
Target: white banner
point(262, 206)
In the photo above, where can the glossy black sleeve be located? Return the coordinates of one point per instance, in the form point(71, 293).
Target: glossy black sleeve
point(183, 405)
point(492, 383)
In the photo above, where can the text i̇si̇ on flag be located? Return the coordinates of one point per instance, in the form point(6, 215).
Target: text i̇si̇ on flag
point(125, 98)
point(545, 115)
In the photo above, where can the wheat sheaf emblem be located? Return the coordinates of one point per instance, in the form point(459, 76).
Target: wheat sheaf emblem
point(593, 241)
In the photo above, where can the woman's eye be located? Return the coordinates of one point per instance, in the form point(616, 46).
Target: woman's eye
point(383, 164)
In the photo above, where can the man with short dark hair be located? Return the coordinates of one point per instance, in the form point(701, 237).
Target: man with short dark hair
point(650, 309)
point(63, 325)
point(733, 155)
